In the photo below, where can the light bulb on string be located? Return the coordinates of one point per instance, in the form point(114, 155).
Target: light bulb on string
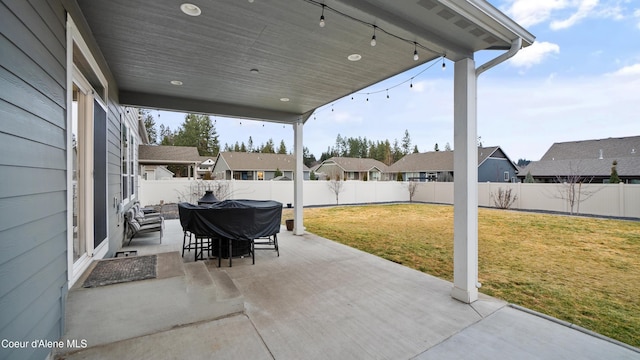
point(444, 67)
point(415, 52)
point(387, 93)
point(322, 17)
point(411, 83)
point(373, 38)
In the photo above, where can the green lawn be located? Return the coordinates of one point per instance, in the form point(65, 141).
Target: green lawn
point(582, 270)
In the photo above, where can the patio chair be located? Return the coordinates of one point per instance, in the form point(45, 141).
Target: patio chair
point(184, 222)
point(145, 218)
point(267, 243)
point(134, 227)
point(198, 240)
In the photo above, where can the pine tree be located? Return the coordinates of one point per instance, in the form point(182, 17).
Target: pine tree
point(406, 142)
point(150, 126)
point(282, 149)
point(529, 178)
point(614, 179)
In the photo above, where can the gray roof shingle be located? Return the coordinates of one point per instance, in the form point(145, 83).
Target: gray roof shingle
point(589, 158)
point(610, 148)
point(259, 161)
point(357, 164)
point(160, 154)
point(436, 160)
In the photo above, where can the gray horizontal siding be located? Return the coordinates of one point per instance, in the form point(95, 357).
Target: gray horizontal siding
point(18, 122)
point(493, 170)
point(20, 181)
point(114, 175)
point(33, 204)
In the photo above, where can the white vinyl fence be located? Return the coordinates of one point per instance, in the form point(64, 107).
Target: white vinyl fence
point(598, 199)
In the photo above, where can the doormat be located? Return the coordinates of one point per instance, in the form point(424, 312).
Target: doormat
point(120, 270)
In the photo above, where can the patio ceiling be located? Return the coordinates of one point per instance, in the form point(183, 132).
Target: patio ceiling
point(149, 43)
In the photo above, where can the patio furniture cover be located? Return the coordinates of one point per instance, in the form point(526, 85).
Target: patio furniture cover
point(233, 219)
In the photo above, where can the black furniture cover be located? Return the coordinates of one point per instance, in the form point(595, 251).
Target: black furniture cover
point(232, 219)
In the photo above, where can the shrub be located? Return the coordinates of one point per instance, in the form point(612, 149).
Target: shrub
point(504, 199)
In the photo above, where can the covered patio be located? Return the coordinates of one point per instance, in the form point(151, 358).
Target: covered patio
point(281, 60)
point(318, 300)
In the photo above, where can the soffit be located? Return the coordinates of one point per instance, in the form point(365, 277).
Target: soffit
point(149, 43)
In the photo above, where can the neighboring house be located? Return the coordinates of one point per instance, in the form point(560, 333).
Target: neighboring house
point(316, 175)
point(591, 160)
point(352, 168)
point(254, 166)
point(205, 166)
point(158, 172)
point(493, 166)
point(152, 156)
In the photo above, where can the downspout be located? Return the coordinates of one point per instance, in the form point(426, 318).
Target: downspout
point(516, 44)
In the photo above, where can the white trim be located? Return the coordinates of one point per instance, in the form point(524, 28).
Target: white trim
point(69, 145)
point(75, 76)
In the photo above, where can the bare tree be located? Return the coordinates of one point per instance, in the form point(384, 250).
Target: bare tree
point(571, 189)
point(504, 199)
point(197, 188)
point(336, 186)
point(412, 187)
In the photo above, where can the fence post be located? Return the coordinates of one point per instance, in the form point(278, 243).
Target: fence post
point(621, 204)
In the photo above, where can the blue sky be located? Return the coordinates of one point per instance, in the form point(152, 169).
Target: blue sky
point(580, 80)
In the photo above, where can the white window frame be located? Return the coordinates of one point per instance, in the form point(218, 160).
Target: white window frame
point(507, 176)
point(128, 154)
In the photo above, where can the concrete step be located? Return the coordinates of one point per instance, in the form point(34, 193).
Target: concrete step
point(182, 294)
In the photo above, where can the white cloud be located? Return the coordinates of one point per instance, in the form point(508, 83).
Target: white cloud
point(563, 14)
point(526, 116)
point(631, 70)
point(534, 54)
point(342, 117)
point(527, 12)
point(585, 8)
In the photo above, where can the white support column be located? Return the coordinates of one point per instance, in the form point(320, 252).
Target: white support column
point(298, 222)
point(465, 172)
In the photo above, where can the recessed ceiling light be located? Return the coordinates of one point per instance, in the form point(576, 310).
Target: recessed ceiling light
point(190, 9)
point(284, 99)
point(354, 57)
point(254, 71)
point(176, 82)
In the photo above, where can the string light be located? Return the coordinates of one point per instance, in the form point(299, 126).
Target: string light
point(444, 67)
point(322, 17)
point(386, 90)
point(375, 28)
point(373, 38)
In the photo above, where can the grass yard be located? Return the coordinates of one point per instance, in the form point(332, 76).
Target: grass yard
point(582, 270)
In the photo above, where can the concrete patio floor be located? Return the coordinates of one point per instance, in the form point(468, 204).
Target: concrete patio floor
point(318, 300)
